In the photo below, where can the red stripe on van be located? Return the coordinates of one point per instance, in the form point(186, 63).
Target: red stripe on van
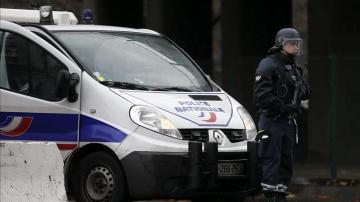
point(67, 146)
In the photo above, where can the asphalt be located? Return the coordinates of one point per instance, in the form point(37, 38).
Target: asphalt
point(309, 193)
point(314, 183)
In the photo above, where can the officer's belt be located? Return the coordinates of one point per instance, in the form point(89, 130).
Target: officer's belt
point(275, 115)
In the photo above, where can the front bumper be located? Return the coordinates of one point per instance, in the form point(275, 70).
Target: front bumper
point(191, 174)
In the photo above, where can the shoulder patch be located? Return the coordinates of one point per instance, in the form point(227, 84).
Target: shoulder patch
point(266, 67)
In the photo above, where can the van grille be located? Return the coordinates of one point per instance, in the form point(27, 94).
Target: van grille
point(201, 135)
point(235, 135)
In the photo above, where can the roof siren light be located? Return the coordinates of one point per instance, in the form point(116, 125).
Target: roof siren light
point(88, 16)
point(46, 15)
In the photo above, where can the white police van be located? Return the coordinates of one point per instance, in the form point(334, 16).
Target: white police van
point(134, 116)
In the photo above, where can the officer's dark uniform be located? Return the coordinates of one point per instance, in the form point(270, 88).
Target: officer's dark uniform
point(277, 77)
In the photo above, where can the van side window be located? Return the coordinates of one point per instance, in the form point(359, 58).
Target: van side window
point(27, 68)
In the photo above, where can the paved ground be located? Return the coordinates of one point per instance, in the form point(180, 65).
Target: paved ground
point(321, 193)
point(311, 193)
point(323, 171)
point(313, 183)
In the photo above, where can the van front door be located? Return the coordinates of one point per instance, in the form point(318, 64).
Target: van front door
point(30, 109)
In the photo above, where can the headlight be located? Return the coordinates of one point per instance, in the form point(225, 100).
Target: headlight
point(248, 122)
point(152, 119)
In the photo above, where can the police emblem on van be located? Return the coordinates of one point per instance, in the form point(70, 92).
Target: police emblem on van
point(206, 112)
point(14, 126)
point(211, 119)
point(217, 111)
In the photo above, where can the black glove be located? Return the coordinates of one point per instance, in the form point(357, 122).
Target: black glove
point(304, 92)
point(290, 109)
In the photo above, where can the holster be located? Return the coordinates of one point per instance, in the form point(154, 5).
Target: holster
point(265, 130)
point(260, 134)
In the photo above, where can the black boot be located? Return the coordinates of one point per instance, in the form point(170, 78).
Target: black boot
point(271, 196)
point(281, 197)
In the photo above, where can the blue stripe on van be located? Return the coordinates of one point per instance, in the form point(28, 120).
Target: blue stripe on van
point(6, 122)
point(61, 127)
point(92, 130)
point(45, 127)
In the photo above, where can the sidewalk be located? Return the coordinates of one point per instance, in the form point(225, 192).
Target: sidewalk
point(312, 183)
point(315, 193)
point(311, 171)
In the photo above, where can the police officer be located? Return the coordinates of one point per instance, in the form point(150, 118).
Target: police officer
point(278, 90)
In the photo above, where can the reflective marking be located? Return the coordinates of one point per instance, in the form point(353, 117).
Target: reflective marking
point(258, 77)
point(268, 186)
point(278, 188)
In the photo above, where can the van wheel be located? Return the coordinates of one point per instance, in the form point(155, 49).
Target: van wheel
point(99, 177)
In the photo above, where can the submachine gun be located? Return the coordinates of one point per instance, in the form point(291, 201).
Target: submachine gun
point(294, 101)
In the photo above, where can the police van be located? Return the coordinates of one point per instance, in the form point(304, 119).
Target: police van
point(133, 115)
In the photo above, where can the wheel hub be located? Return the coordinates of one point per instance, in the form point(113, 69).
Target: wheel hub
point(100, 184)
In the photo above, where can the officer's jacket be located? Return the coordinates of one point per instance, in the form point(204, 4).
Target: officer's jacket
point(275, 80)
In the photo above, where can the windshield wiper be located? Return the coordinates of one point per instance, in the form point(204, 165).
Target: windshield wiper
point(174, 88)
point(125, 85)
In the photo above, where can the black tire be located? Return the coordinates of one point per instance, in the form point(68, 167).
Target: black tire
point(99, 177)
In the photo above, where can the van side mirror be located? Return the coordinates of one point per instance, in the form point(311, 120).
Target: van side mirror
point(74, 80)
point(66, 85)
point(62, 81)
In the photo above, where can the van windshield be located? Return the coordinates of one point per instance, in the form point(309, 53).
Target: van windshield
point(149, 61)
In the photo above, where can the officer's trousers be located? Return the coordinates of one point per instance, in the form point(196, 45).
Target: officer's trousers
point(276, 152)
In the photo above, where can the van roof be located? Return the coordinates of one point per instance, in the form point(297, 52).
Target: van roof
point(64, 21)
point(97, 28)
point(33, 16)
